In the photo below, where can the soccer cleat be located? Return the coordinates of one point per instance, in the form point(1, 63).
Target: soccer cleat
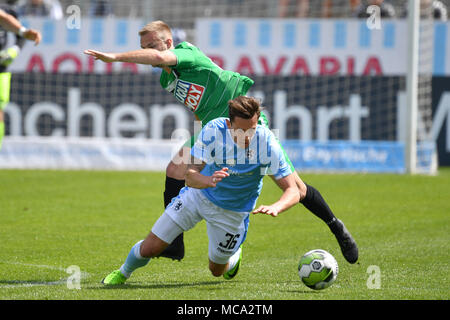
point(346, 242)
point(230, 274)
point(114, 278)
point(175, 250)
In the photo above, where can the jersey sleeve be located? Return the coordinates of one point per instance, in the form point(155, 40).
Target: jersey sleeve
point(185, 58)
point(203, 148)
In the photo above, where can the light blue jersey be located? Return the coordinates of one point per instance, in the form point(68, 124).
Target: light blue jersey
point(247, 167)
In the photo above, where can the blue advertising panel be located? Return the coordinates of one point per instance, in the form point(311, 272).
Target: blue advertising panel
point(364, 156)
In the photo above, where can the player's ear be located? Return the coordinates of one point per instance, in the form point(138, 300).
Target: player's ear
point(169, 43)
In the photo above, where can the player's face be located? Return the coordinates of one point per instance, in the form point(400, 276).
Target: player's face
point(151, 40)
point(243, 130)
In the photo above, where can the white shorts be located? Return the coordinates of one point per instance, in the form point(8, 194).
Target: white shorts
point(226, 229)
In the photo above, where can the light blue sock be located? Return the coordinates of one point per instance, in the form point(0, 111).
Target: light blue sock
point(134, 260)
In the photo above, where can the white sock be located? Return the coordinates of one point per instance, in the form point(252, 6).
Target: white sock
point(234, 259)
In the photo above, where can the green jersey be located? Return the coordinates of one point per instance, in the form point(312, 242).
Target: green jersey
point(201, 85)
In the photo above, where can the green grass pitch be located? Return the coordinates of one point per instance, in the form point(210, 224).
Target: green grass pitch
point(51, 220)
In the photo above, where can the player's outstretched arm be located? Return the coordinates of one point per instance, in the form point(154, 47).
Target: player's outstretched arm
point(10, 23)
point(289, 198)
point(142, 56)
point(195, 179)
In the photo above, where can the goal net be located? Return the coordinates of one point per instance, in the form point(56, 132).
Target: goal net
point(331, 74)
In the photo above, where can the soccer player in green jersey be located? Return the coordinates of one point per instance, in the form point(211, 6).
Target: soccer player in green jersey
point(205, 89)
point(9, 23)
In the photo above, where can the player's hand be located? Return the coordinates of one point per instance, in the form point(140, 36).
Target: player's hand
point(103, 56)
point(33, 35)
point(269, 210)
point(218, 176)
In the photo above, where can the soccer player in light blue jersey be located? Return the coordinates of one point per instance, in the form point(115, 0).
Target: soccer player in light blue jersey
point(224, 180)
point(205, 88)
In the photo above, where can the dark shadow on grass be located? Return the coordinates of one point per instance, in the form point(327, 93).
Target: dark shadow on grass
point(134, 286)
point(32, 282)
point(301, 291)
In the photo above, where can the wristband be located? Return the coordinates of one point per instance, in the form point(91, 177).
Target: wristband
point(22, 30)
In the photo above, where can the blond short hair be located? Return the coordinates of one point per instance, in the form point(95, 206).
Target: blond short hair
point(159, 27)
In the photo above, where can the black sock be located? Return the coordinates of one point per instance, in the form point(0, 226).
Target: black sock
point(314, 202)
point(173, 187)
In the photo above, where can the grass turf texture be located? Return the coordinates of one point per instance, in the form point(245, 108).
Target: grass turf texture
point(51, 220)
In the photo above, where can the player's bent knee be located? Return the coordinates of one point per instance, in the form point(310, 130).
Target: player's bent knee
point(302, 192)
point(170, 169)
point(175, 171)
point(178, 165)
point(164, 231)
point(301, 187)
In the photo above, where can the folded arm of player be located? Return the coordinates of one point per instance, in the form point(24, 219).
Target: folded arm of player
point(289, 198)
point(149, 56)
point(195, 179)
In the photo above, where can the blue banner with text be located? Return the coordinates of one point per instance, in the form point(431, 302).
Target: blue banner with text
point(364, 156)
